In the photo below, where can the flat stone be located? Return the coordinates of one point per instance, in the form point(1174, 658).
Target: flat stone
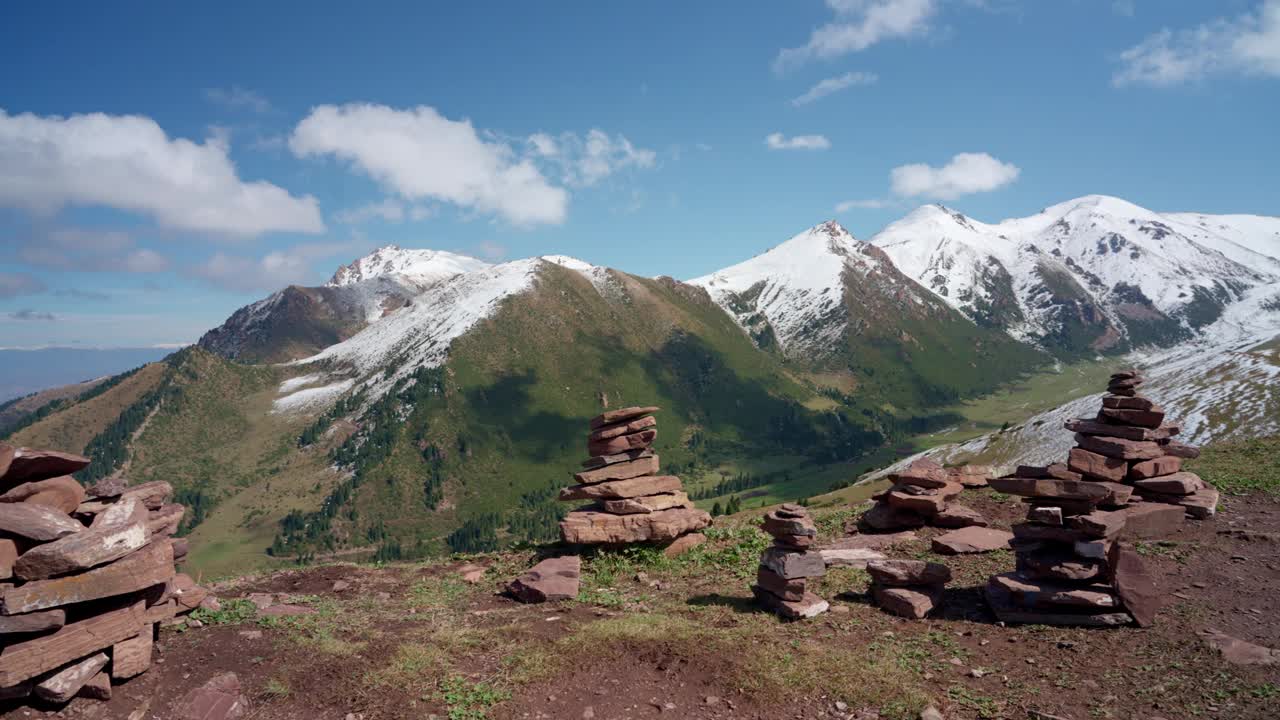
point(622, 443)
point(187, 593)
point(32, 622)
point(971, 540)
point(809, 606)
point(218, 699)
point(1134, 584)
point(624, 470)
point(970, 476)
point(165, 521)
point(684, 544)
point(1066, 507)
point(621, 489)
point(924, 504)
point(142, 569)
point(1045, 515)
point(1120, 402)
point(590, 528)
point(1179, 483)
point(1058, 471)
point(1201, 504)
point(23, 660)
point(1151, 520)
point(915, 602)
point(613, 430)
point(923, 472)
point(792, 564)
point(791, 510)
point(1036, 593)
point(125, 512)
point(1179, 449)
point(1006, 611)
point(154, 495)
point(1051, 488)
point(883, 516)
point(63, 493)
point(1059, 565)
point(132, 657)
point(1240, 652)
point(871, 541)
point(63, 685)
point(646, 504)
point(849, 557)
point(622, 415)
point(28, 464)
point(1048, 533)
point(1156, 467)
point(36, 522)
point(1096, 466)
point(1142, 418)
point(774, 524)
point(792, 589)
point(108, 487)
point(8, 556)
point(955, 515)
point(901, 573)
point(1099, 523)
point(602, 460)
point(552, 579)
point(796, 542)
point(98, 687)
point(181, 546)
point(1119, 447)
point(80, 551)
point(1085, 426)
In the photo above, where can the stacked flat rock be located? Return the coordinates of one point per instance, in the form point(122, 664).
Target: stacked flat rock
point(1128, 441)
point(924, 494)
point(787, 566)
point(632, 502)
point(85, 576)
point(909, 588)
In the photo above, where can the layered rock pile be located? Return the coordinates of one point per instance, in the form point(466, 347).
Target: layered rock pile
point(632, 502)
point(787, 566)
point(85, 577)
point(1130, 442)
point(924, 493)
point(909, 588)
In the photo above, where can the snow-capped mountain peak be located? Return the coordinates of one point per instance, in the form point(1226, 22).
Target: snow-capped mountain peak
point(420, 267)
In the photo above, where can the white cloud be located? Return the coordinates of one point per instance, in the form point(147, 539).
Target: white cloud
point(966, 173)
point(16, 284)
point(834, 85)
point(1246, 45)
point(236, 97)
point(81, 250)
point(420, 154)
point(873, 204)
point(583, 161)
point(859, 24)
point(32, 315)
point(778, 141)
point(275, 270)
point(127, 162)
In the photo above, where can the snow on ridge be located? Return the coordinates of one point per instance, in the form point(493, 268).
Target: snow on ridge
point(417, 266)
point(599, 277)
point(310, 398)
point(301, 381)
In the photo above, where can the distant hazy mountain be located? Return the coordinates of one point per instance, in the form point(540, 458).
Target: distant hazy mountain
point(25, 371)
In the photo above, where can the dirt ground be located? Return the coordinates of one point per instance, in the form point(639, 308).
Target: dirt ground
point(652, 637)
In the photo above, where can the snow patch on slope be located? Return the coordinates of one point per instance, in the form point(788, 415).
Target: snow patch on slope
point(310, 398)
point(419, 267)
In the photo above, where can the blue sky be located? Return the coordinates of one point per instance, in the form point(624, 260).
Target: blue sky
point(161, 166)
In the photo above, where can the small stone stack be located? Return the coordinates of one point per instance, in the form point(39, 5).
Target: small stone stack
point(786, 566)
point(923, 494)
point(85, 577)
point(908, 588)
point(633, 503)
point(1128, 441)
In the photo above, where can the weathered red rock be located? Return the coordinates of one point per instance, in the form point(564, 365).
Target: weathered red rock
point(1179, 483)
point(80, 551)
point(958, 516)
point(622, 415)
point(108, 487)
point(1179, 449)
point(127, 511)
point(619, 489)
point(792, 589)
point(970, 476)
point(1007, 611)
point(1096, 466)
point(774, 524)
point(1240, 652)
point(63, 493)
point(1051, 488)
point(27, 659)
point(898, 573)
point(1059, 565)
point(605, 432)
point(1120, 402)
point(1129, 432)
point(622, 443)
point(1201, 504)
point(63, 685)
point(910, 602)
point(646, 504)
point(187, 593)
point(1151, 520)
point(218, 699)
point(140, 570)
point(8, 556)
point(626, 470)
point(28, 464)
point(1048, 533)
point(165, 521)
point(1099, 523)
point(552, 579)
point(1045, 515)
point(602, 460)
point(809, 606)
point(181, 546)
point(32, 622)
point(1057, 471)
point(871, 541)
point(923, 472)
point(1142, 418)
point(849, 557)
point(98, 687)
point(793, 564)
point(36, 522)
point(1166, 465)
point(971, 540)
point(1119, 447)
point(1134, 585)
point(154, 495)
point(882, 516)
point(684, 544)
point(1035, 593)
point(592, 528)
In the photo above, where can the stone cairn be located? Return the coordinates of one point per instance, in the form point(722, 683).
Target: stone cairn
point(85, 577)
point(632, 502)
point(1122, 481)
point(924, 493)
point(787, 565)
point(909, 588)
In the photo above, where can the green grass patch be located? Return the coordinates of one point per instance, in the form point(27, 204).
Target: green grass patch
point(1242, 466)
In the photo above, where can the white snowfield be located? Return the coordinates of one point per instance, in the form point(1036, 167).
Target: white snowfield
point(420, 267)
point(1106, 244)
